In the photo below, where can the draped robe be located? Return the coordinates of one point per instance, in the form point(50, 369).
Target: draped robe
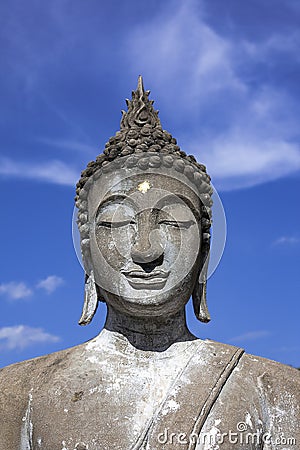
point(106, 394)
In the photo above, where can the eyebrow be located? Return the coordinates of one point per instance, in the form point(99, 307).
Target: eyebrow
point(174, 198)
point(115, 198)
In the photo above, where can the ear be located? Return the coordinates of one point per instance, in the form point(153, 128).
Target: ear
point(90, 300)
point(199, 292)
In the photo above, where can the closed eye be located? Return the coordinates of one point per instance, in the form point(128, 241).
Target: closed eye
point(177, 223)
point(119, 224)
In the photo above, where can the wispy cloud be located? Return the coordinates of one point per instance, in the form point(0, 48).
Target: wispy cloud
point(277, 42)
point(291, 348)
point(54, 171)
point(22, 336)
point(70, 145)
point(253, 138)
point(250, 336)
point(286, 240)
point(50, 284)
point(187, 51)
point(229, 111)
point(15, 290)
point(236, 162)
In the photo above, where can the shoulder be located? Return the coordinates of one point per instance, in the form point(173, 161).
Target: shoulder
point(23, 373)
point(17, 379)
point(278, 388)
point(277, 384)
point(18, 383)
point(259, 367)
point(271, 365)
point(18, 373)
point(265, 389)
point(272, 373)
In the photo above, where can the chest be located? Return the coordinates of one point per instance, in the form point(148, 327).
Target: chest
point(104, 409)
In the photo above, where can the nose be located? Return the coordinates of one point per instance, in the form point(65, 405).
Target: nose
point(148, 247)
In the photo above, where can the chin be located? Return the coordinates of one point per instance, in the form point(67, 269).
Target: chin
point(151, 302)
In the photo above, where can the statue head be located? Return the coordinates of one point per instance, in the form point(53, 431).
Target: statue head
point(144, 220)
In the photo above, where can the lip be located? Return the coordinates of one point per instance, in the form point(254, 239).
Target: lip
point(147, 280)
point(146, 275)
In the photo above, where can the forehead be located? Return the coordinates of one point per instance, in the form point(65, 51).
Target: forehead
point(145, 190)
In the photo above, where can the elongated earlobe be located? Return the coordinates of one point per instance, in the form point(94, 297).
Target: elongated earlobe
point(90, 300)
point(199, 302)
point(199, 292)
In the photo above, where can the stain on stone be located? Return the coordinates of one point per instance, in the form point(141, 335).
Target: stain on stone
point(76, 397)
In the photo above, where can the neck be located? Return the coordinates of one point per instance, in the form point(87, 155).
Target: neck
point(149, 333)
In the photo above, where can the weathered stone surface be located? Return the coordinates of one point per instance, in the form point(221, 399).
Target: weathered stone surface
point(107, 393)
point(146, 382)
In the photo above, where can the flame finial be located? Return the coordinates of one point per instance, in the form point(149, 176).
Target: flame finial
point(140, 86)
point(140, 109)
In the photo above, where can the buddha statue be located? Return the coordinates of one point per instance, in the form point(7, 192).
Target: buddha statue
point(146, 382)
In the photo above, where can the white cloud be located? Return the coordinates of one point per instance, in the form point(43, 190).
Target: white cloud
point(194, 71)
point(180, 49)
point(236, 162)
point(54, 171)
point(22, 336)
point(279, 42)
point(15, 290)
point(70, 145)
point(50, 284)
point(250, 336)
point(287, 240)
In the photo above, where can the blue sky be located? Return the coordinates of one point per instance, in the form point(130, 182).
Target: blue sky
point(225, 77)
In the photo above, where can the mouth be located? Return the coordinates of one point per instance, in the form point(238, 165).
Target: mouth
point(146, 280)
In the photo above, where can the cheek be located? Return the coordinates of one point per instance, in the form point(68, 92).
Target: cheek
point(182, 243)
point(115, 244)
point(192, 244)
point(185, 259)
point(171, 242)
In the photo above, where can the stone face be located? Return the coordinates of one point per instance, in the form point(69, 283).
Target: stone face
point(145, 382)
point(145, 247)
